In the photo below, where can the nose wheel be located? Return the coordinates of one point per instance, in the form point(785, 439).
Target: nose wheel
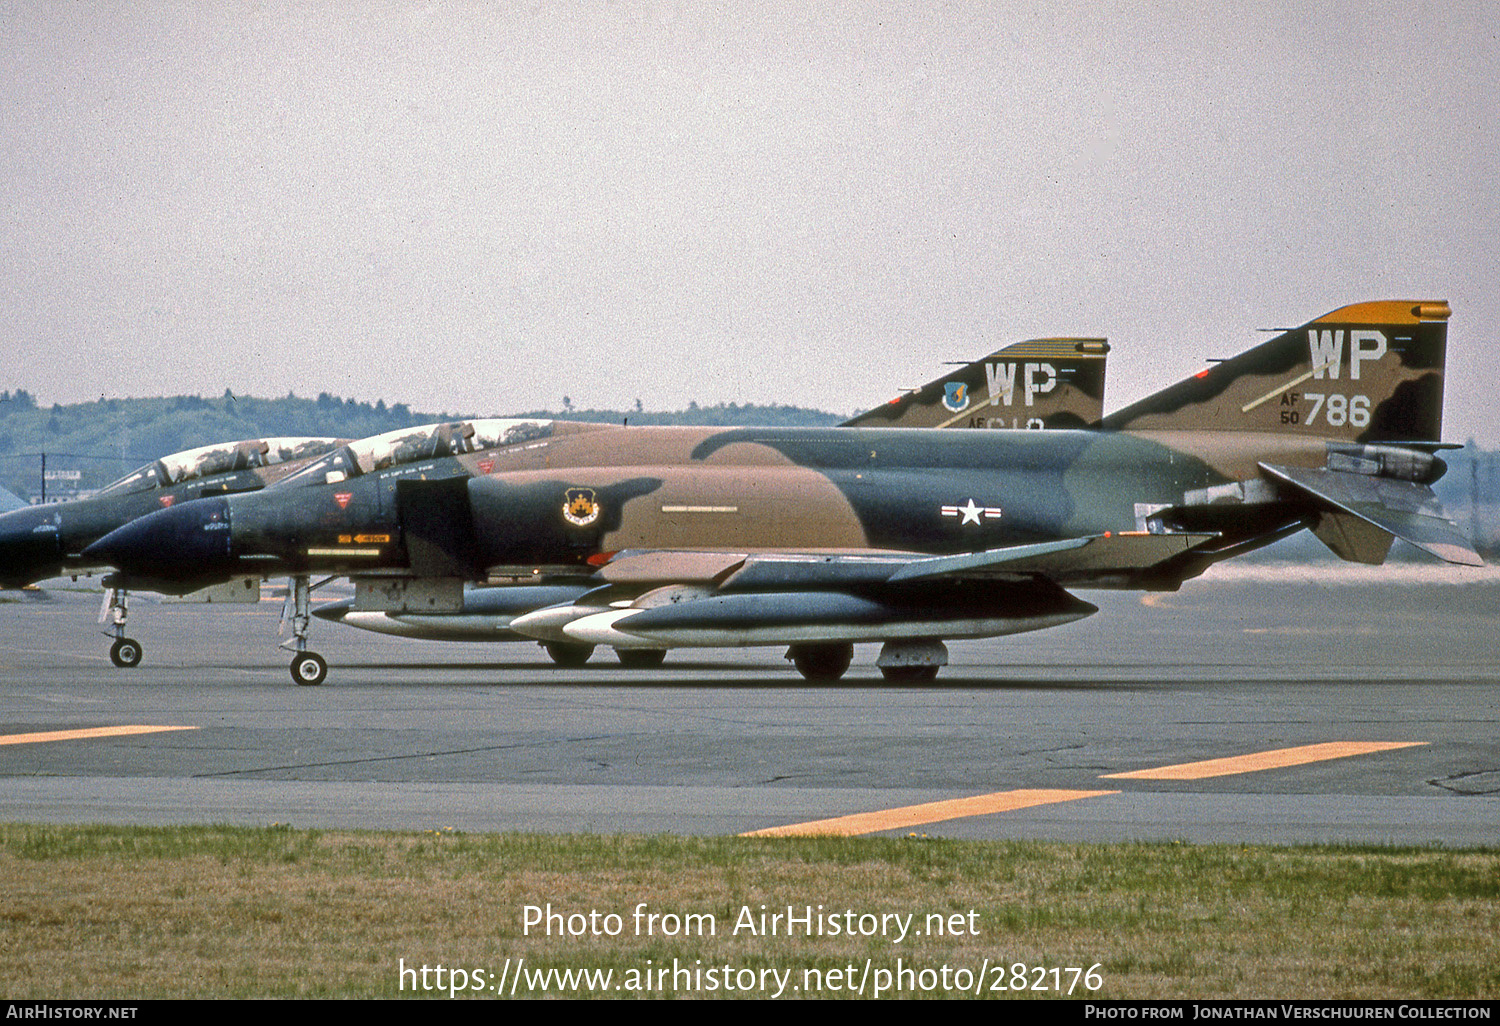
point(309, 669)
point(125, 652)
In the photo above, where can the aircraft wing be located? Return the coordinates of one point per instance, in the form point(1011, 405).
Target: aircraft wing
point(1070, 560)
point(709, 598)
point(1400, 509)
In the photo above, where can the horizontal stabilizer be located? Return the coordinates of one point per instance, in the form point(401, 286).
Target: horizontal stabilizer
point(1407, 510)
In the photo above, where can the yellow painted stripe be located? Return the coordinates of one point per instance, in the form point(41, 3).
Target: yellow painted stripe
point(74, 735)
point(1263, 760)
point(918, 815)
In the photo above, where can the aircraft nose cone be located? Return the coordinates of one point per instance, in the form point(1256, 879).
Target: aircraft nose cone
point(29, 547)
point(180, 541)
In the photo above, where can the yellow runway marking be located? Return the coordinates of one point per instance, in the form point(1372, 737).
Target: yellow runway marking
point(1263, 760)
point(919, 815)
point(73, 735)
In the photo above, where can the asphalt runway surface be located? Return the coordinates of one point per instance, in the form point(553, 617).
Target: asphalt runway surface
point(1378, 698)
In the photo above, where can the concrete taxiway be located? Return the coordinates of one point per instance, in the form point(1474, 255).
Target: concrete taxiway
point(1358, 708)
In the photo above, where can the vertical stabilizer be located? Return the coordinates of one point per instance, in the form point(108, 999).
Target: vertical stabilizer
point(1041, 383)
point(1363, 373)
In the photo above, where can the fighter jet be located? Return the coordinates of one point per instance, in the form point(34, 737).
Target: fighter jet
point(819, 539)
point(1039, 383)
point(37, 542)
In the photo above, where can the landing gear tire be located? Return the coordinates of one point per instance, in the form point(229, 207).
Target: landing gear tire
point(125, 652)
point(309, 669)
point(641, 658)
point(567, 654)
point(821, 662)
point(909, 674)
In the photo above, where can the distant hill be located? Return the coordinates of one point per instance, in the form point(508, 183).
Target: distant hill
point(88, 445)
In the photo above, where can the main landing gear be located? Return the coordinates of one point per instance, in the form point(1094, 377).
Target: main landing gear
point(641, 658)
point(568, 654)
point(901, 662)
point(822, 663)
point(308, 668)
point(571, 655)
point(125, 652)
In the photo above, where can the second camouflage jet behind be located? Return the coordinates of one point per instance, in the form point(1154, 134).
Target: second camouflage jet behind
point(822, 538)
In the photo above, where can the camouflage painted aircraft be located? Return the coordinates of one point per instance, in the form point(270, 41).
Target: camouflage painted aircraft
point(37, 542)
point(822, 538)
point(41, 542)
point(1039, 383)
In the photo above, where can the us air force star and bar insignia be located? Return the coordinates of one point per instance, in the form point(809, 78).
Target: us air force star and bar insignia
point(972, 513)
point(956, 396)
point(581, 508)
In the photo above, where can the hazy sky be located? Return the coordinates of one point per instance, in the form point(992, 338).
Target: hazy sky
point(488, 207)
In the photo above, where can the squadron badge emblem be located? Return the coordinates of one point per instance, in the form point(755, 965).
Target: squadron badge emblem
point(956, 396)
point(581, 508)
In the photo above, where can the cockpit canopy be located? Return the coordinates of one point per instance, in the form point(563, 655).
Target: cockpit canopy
point(408, 445)
point(224, 458)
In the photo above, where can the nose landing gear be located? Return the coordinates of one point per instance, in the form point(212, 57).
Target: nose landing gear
point(125, 652)
point(308, 668)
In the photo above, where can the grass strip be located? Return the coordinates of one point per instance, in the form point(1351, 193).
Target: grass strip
point(186, 912)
